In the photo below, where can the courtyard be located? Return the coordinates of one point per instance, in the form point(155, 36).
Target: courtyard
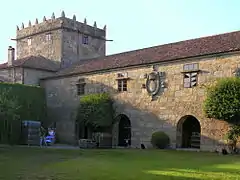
point(75, 164)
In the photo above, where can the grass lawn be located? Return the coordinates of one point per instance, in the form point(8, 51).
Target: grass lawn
point(55, 164)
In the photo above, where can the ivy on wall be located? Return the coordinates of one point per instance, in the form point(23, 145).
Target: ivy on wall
point(96, 111)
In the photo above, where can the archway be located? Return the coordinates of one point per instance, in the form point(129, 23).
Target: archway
point(188, 132)
point(124, 131)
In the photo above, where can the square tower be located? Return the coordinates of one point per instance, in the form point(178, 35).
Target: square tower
point(61, 39)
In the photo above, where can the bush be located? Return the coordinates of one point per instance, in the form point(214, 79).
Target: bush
point(96, 111)
point(223, 100)
point(160, 140)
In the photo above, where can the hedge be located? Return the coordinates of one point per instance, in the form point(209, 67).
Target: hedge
point(19, 102)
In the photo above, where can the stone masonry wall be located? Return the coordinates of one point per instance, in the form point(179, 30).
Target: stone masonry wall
point(74, 50)
point(32, 76)
point(40, 45)
point(11, 75)
point(146, 116)
point(60, 39)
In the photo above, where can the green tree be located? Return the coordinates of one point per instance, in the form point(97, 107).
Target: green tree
point(96, 111)
point(223, 100)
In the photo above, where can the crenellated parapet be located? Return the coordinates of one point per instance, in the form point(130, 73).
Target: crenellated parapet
point(68, 24)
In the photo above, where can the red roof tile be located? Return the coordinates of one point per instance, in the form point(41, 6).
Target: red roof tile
point(169, 52)
point(35, 62)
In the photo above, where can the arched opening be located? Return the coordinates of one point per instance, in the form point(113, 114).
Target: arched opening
point(188, 132)
point(124, 131)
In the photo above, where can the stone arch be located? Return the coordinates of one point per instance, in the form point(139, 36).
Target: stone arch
point(122, 131)
point(188, 132)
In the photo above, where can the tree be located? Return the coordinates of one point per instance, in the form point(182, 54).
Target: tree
point(223, 100)
point(96, 111)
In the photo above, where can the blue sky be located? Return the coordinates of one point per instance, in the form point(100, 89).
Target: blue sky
point(132, 24)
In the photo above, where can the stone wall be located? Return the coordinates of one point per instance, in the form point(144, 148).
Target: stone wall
point(164, 113)
point(74, 50)
point(32, 76)
point(60, 39)
point(40, 45)
point(11, 75)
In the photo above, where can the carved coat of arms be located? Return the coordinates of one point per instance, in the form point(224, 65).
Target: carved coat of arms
point(153, 83)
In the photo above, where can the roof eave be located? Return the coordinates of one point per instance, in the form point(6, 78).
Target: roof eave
point(142, 64)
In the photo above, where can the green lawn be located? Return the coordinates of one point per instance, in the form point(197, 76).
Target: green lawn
point(53, 164)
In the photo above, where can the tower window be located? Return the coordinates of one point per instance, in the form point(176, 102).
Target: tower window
point(85, 39)
point(29, 41)
point(48, 37)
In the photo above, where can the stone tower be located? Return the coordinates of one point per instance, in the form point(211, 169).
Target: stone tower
point(61, 39)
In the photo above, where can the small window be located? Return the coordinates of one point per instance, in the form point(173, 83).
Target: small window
point(85, 39)
point(29, 41)
point(190, 67)
point(122, 85)
point(190, 80)
point(81, 87)
point(48, 37)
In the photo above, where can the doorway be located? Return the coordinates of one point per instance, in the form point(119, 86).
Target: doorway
point(188, 132)
point(124, 131)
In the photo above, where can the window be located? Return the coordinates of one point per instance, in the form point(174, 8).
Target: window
point(190, 79)
point(81, 87)
point(29, 41)
point(122, 85)
point(48, 37)
point(85, 39)
point(190, 67)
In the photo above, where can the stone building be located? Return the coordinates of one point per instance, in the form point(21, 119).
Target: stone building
point(160, 88)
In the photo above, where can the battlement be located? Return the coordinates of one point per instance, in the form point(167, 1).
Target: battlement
point(48, 25)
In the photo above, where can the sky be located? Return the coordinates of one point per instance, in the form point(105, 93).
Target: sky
point(131, 24)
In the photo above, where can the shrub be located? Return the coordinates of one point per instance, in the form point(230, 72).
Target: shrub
point(160, 140)
point(96, 111)
point(223, 100)
point(233, 135)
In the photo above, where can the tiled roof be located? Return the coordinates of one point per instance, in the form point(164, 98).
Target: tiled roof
point(169, 52)
point(35, 62)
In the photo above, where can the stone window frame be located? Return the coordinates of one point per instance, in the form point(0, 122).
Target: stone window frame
point(122, 85)
point(190, 79)
point(48, 37)
point(190, 75)
point(122, 82)
point(29, 41)
point(81, 87)
point(85, 39)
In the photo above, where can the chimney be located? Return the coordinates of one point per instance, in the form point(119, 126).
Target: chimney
point(11, 55)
